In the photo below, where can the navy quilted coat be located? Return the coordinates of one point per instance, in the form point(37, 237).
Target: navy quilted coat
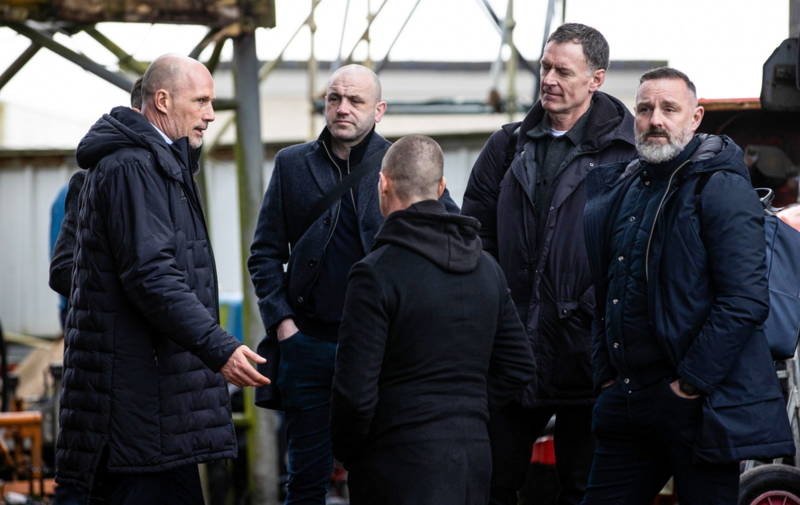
point(143, 344)
point(707, 296)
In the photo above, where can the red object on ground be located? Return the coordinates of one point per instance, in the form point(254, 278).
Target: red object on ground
point(544, 451)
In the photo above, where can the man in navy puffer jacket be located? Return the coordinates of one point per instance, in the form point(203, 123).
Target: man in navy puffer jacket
point(676, 249)
point(143, 401)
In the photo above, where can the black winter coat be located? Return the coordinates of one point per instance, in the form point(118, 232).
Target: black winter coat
point(143, 342)
point(302, 175)
point(61, 264)
point(429, 337)
point(556, 271)
point(707, 296)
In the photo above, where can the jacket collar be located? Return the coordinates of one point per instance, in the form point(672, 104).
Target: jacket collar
point(608, 121)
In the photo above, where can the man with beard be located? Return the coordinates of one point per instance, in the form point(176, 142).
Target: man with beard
point(429, 341)
point(530, 209)
point(676, 249)
point(144, 395)
point(301, 307)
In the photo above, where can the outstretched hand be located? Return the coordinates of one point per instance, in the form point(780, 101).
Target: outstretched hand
point(238, 370)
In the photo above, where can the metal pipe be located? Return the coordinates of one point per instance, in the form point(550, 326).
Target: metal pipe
point(385, 59)
point(125, 60)
point(250, 185)
point(312, 71)
point(511, 67)
point(266, 69)
point(365, 34)
point(551, 6)
point(498, 24)
point(204, 42)
point(213, 61)
point(338, 62)
point(20, 62)
point(45, 40)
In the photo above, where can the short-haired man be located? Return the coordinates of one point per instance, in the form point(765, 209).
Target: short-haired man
point(143, 401)
point(302, 307)
point(429, 339)
point(530, 209)
point(676, 247)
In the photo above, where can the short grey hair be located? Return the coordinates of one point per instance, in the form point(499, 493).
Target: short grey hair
point(415, 164)
point(595, 46)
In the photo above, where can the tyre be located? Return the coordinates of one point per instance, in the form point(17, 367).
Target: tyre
point(770, 485)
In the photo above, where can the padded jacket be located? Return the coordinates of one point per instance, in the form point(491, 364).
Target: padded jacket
point(142, 341)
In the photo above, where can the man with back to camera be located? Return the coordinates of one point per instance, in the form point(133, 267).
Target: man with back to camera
point(142, 402)
point(676, 247)
point(530, 208)
point(301, 307)
point(429, 340)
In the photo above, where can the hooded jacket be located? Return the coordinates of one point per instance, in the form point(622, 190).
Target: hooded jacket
point(142, 339)
point(554, 272)
point(429, 340)
point(706, 295)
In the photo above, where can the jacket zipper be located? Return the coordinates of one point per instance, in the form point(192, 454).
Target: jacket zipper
point(655, 219)
point(338, 205)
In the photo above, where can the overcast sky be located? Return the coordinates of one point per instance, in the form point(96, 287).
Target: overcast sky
point(721, 44)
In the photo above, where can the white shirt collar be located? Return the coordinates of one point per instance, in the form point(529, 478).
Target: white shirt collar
point(166, 139)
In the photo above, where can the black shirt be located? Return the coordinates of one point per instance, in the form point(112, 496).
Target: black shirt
point(344, 247)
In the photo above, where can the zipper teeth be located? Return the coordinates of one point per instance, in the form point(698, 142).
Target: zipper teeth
point(655, 219)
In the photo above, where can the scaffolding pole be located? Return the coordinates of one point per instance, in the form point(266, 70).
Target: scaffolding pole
point(260, 424)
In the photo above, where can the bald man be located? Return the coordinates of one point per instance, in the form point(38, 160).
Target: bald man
point(429, 340)
point(145, 360)
point(319, 216)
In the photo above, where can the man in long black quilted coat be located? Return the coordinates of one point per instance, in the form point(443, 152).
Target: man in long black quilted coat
point(145, 359)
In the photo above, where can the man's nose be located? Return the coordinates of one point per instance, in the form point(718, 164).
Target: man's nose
point(548, 78)
point(657, 118)
point(209, 114)
point(343, 108)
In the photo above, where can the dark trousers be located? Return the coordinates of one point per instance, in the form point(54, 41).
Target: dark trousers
point(305, 378)
point(514, 429)
point(643, 438)
point(437, 472)
point(179, 486)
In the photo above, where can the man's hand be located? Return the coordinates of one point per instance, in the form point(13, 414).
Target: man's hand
point(676, 389)
point(238, 370)
point(286, 329)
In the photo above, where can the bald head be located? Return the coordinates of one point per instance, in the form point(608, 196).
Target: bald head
point(169, 72)
point(177, 97)
point(359, 73)
point(414, 165)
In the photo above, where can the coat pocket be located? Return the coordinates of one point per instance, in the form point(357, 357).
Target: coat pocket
point(732, 432)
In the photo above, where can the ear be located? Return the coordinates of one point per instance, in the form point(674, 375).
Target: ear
point(598, 78)
point(380, 110)
point(697, 117)
point(383, 184)
point(440, 189)
point(162, 100)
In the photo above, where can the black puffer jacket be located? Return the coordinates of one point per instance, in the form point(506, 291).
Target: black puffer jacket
point(142, 341)
point(553, 274)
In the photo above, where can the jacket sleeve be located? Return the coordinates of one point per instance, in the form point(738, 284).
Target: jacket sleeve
point(269, 252)
point(359, 356)
point(732, 227)
point(144, 245)
point(63, 253)
point(512, 366)
point(483, 188)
